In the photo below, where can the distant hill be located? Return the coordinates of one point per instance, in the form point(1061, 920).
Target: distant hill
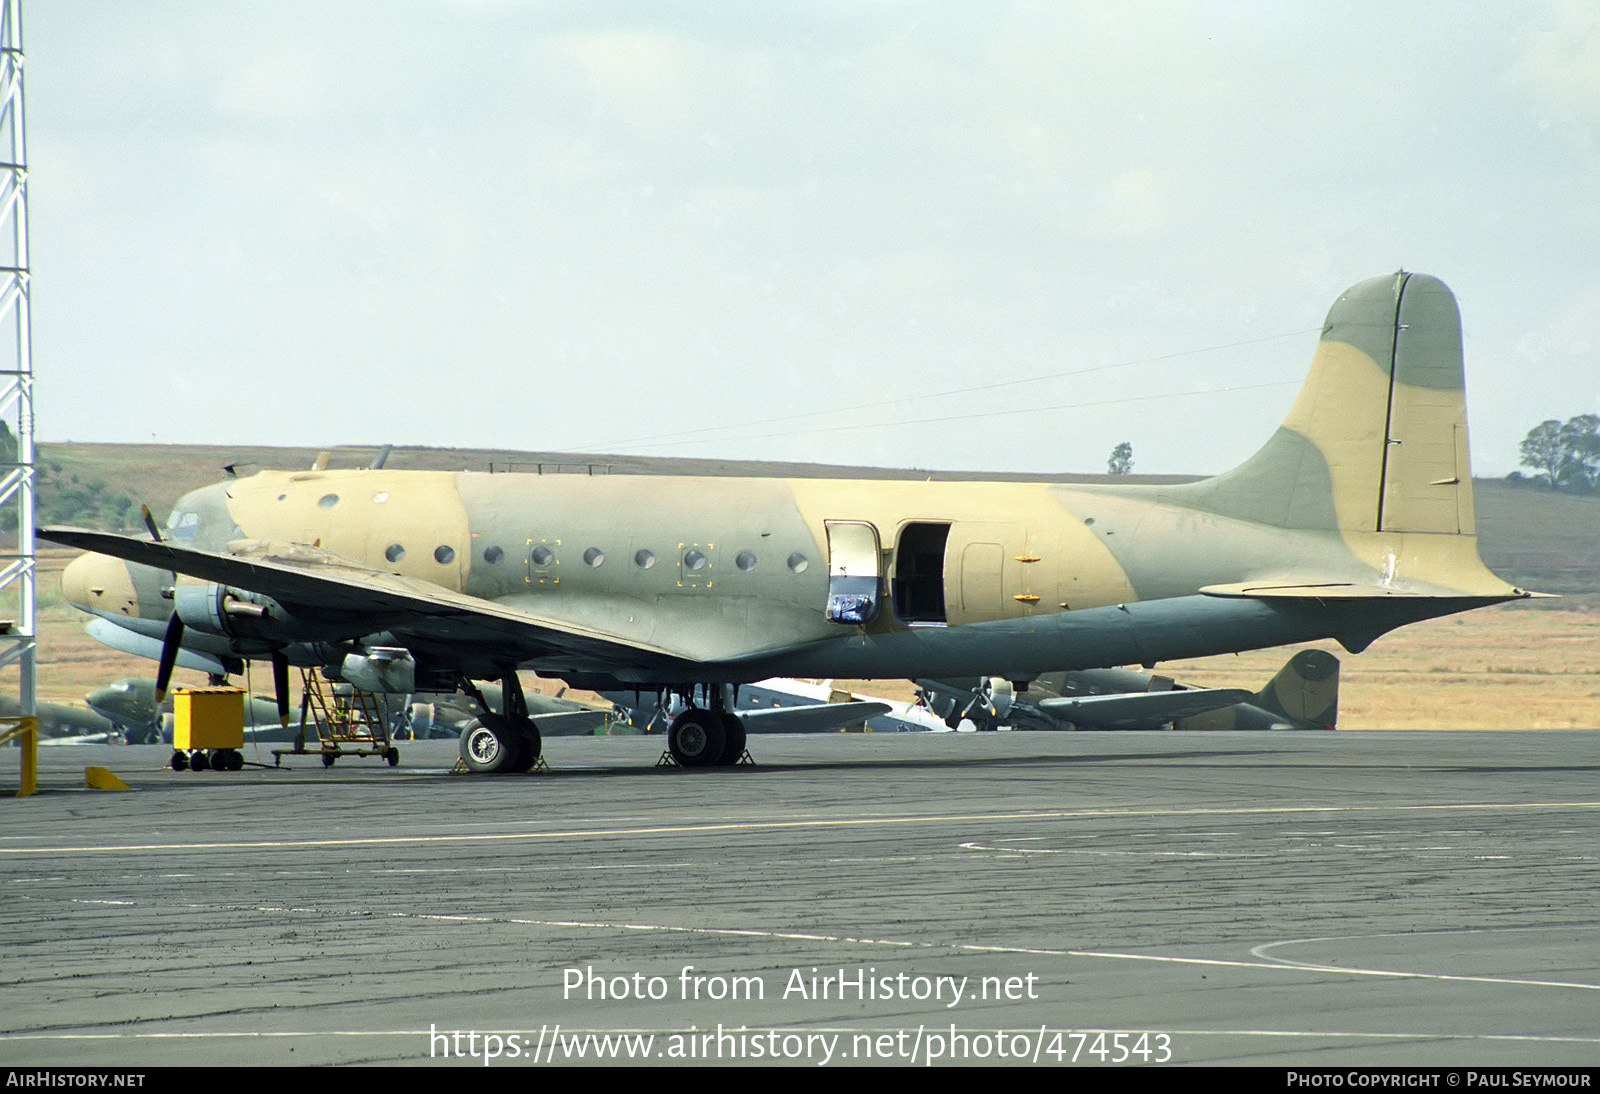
point(1532, 537)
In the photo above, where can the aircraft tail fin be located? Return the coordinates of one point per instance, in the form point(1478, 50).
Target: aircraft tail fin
point(1377, 440)
point(1306, 690)
point(1304, 694)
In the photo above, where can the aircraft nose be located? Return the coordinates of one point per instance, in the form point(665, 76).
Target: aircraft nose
point(100, 584)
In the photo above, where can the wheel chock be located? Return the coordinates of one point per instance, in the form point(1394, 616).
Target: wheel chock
point(101, 778)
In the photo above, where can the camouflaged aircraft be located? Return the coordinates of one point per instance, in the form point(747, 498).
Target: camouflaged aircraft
point(1353, 519)
point(1304, 694)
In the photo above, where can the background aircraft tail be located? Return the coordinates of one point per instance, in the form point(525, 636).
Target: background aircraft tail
point(1377, 440)
point(1304, 694)
point(1306, 690)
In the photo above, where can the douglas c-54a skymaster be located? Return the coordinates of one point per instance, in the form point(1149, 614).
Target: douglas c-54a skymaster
point(1354, 518)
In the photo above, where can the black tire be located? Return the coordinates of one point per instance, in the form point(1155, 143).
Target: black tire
point(180, 760)
point(696, 738)
point(733, 742)
point(392, 756)
point(489, 745)
point(228, 759)
point(529, 748)
point(199, 761)
point(328, 758)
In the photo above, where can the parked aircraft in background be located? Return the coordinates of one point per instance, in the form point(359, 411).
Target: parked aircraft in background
point(62, 723)
point(1303, 695)
point(128, 706)
point(131, 704)
point(1353, 519)
point(769, 706)
point(450, 714)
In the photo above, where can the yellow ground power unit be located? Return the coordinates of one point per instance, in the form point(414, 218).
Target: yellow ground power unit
point(211, 717)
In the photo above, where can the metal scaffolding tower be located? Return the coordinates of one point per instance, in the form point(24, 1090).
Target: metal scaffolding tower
point(18, 636)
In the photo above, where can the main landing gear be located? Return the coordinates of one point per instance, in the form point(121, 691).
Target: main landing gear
point(501, 744)
point(706, 738)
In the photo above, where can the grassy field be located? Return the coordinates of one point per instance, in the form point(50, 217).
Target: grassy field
point(1526, 665)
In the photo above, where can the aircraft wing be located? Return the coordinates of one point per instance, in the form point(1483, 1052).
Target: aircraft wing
point(570, 723)
point(817, 718)
point(318, 585)
point(1138, 710)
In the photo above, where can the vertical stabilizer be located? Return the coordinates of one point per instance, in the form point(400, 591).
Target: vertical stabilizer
point(1377, 439)
point(1305, 691)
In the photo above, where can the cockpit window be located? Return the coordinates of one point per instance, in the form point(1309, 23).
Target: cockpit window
point(201, 519)
point(183, 525)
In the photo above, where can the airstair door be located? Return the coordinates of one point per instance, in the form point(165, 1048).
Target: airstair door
point(854, 580)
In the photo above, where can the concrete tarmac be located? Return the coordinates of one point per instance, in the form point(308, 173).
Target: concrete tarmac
point(1330, 899)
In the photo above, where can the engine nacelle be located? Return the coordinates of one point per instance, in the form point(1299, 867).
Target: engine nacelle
point(224, 612)
point(381, 669)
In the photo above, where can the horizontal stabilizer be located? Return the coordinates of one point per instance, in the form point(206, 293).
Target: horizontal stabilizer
point(1319, 591)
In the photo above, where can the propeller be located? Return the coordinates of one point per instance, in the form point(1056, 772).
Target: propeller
point(173, 640)
point(170, 644)
point(280, 686)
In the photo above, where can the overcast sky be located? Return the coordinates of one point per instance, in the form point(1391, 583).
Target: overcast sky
point(821, 231)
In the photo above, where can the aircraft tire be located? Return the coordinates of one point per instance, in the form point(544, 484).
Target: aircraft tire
point(529, 748)
point(733, 740)
point(489, 745)
point(696, 738)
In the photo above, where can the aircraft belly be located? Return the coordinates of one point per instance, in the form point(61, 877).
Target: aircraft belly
point(1134, 633)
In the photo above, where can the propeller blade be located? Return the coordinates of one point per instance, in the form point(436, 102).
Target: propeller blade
point(150, 523)
point(169, 656)
point(280, 686)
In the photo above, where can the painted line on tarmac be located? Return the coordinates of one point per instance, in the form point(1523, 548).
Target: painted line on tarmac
point(958, 947)
point(772, 826)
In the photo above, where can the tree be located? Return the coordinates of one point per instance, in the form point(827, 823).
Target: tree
point(1121, 461)
point(1566, 455)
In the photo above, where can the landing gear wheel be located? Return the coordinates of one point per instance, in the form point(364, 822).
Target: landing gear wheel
point(199, 761)
point(696, 738)
point(733, 734)
point(180, 760)
point(489, 745)
point(529, 748)
point(393, 757)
